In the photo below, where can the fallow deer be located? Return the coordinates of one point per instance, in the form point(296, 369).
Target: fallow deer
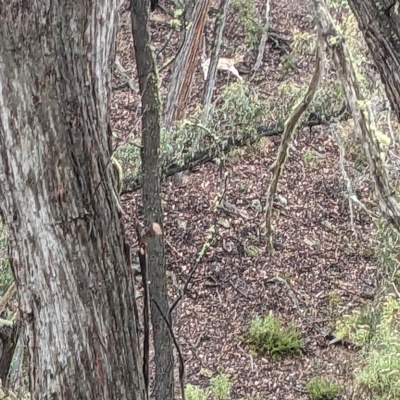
point(225, 64)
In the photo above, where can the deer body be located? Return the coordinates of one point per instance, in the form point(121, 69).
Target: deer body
point(225, 64)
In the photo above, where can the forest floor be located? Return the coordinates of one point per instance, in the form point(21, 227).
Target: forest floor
point(321, 264)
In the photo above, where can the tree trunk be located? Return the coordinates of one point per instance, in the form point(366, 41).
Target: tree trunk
point(151, 186)
point(185, 65)
point(57, 200)
point(379, 21)
point(362, 115)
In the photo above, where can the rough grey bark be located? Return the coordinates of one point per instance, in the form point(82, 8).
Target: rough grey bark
point(185, 65)
point(57, 200)
point(379, 21)
point(151, 189)
point(363, 119)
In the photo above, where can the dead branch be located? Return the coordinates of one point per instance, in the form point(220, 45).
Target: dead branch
point(288, 134)
point(191, 160)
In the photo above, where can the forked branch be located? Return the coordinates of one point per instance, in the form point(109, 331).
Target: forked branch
point(288, 134)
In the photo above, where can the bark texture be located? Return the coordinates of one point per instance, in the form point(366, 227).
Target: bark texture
point(151, 189)
point(379, 21)
point(58, 202)
point(214, 58)
point(185, 64)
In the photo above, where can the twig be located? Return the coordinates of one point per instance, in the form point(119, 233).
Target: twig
point(295, 302)
point(171, 247)
point(128, 80)
point(238, 290)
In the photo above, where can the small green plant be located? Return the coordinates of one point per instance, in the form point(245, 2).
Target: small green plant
point(267, 335)
point(308, 158)
point(252, 251)
point(334, 299)
point(220, 387)
point(194, 393)
point(322, 389)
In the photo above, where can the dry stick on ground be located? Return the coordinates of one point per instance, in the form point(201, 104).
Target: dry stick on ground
point(312, 324)
point(212, 70)
point(363, 119)
point(288, 133)
point(264, 38)
point(128, 80)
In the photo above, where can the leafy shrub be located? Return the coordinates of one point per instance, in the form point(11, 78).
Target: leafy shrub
point(194, 393)
point(221, 387)
point(322, 389)
point(267, 335)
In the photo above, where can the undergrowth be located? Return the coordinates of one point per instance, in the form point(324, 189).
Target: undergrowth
point(322, 389)
point(219, 389)
point(267, 335)
point(248, 18)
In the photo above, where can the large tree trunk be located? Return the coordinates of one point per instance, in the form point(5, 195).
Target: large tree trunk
point(151, 186)
point(379, 21)
point(58, 202)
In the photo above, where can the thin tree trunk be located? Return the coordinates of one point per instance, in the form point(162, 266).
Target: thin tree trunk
point(185, 65)
point(151, 186)
point(57, 200)
point(362, 115)
point(264, 38)
point(379, 21)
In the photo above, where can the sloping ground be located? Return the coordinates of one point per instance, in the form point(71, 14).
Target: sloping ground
point(317, 272)
point(316, 254)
